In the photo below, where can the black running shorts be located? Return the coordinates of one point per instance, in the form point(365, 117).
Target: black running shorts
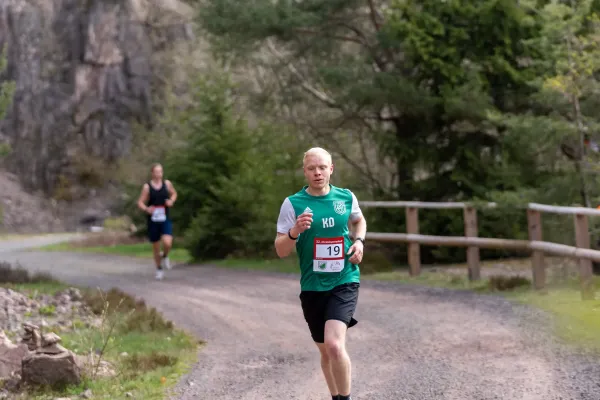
point(338, 303)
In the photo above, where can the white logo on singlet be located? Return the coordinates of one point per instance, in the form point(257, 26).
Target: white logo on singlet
point(339, 207)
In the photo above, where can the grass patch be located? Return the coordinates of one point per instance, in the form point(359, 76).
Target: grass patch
point(177, 254)
point(21, 280)
point(154, 363)
point(19, 275)
point(442, 280)
point(576, 321)
point(436, 278)
point(148, 353)
point(138, 250)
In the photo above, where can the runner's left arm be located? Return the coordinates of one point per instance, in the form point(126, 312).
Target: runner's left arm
point(172, 192)
point(143, 199)
point(358, 223)
point(358, 227)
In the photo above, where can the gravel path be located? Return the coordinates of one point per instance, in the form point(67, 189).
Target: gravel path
point(410, 343)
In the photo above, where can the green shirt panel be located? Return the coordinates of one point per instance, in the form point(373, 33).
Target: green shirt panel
point(331, 214)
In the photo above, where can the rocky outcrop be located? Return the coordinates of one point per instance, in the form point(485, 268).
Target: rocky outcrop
point(36, 356)
point(18, 311)
point(84, 70)
point(11, 356)
point(48, 363)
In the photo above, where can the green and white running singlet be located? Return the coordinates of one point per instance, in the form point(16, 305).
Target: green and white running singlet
point(323, 249)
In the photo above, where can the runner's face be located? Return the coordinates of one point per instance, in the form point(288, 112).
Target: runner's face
point(157, 173)
point(317, 170)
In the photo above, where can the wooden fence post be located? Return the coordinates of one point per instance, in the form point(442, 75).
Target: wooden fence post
point(538, 270)
point(582, 239)
point(414, 251)
point(470, 220)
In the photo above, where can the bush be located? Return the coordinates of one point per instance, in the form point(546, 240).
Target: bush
point(140, 318)
point(505, 283)
point(375, 259)
point(231, 178)
point(141, 363)
point(20, 275)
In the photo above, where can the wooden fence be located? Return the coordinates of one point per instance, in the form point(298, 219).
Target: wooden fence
point(473, 243)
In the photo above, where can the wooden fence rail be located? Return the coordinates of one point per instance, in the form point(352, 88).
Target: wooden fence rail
point(473, 243)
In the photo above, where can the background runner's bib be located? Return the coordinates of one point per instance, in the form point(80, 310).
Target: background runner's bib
point(328, 254)
point(158, 215)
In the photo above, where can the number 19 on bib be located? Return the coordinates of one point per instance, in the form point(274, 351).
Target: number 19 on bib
point(328, 254)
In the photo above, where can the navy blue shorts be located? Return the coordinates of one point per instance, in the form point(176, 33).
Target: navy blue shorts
point(157, 229)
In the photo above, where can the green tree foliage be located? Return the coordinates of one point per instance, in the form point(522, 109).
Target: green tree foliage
point(567, 90)
point(487, 100)
point(231, 177)
point(415, 85)
point(422, 77)
point(7, 88)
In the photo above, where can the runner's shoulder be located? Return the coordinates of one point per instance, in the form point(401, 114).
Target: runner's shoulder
point(299, 194)
point(342, 191)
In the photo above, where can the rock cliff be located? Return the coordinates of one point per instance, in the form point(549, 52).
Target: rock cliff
point(84, 70)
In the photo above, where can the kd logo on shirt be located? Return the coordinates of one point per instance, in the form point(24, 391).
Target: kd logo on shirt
point(328, 222)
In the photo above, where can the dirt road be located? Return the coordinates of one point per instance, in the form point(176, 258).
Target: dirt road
point(410, 343)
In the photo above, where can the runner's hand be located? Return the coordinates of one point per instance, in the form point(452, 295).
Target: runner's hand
point(150, 209)
point(356, 250)
point(169, 203)
point(303, 223)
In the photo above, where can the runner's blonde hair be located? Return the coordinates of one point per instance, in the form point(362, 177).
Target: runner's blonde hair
point(317, 151)
point(154, 166)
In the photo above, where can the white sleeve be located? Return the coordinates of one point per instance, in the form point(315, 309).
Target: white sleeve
point(287, 217)
point(356, 212)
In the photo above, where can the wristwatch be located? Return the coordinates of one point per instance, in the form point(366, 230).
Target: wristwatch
point(361, 239)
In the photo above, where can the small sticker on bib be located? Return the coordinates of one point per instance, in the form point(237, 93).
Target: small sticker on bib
point(159, 214)
point(328, 254)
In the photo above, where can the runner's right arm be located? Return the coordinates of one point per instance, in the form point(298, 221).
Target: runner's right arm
point(288, 225)
point(144, 198)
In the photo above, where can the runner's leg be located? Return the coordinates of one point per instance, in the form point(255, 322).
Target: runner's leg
point(339, 316)
point(335, 346)
point(167, 244)
point(327, 371)
point(313, 308)
point(167, 240)
point(154, 234)
point(156, 252)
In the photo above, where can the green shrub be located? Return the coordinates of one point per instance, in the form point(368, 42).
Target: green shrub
point(375, 259)
point(231, 178)
point(505, 283)
point(18, 275)
point(140, 317)
point(141, 363)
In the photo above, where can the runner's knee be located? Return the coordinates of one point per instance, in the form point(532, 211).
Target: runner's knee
point(335, 348)
point(323, 350)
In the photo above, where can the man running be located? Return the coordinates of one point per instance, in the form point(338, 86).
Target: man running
point(160, 195)
point(329, 258)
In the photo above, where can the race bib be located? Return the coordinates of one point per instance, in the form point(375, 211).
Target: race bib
point(328, 254)
point(159, 215)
